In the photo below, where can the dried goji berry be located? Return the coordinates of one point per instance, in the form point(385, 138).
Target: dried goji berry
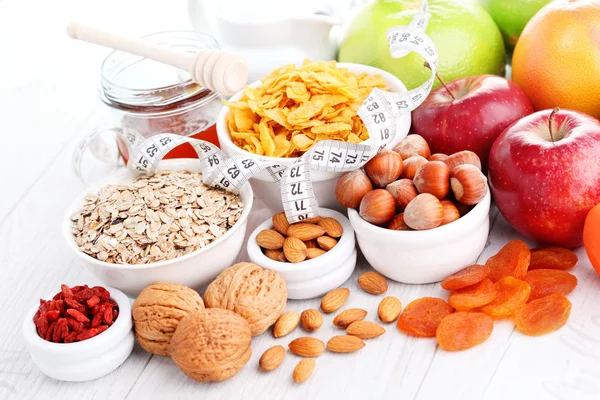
point(108, 316)
point(52, 315)
point(101, 292)
point(97, 320)
point(473, 296)
point(543, 315)
point(52, 305)
point(71, 337)
point(75, 305)
point(77, 315)
point(89, 333)
point(544, 282)
point(463, 330)
point(66, 292)
point(61, 306)
point(466, 277)
point(36, 316)
point(102, 328)
point(50, 332)
point(512, 260)
point(92, 301)
point(84, 294)
point(42, 325)
point(552, 258)
point(511, 294)
point(422, 316)
point(58, 330)
point(115, 314)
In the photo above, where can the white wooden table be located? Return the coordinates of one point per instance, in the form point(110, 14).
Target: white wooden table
point(48, 100)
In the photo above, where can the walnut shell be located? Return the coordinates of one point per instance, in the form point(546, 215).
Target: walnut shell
point(157, 311)
point(259, 295)
point(211, 345)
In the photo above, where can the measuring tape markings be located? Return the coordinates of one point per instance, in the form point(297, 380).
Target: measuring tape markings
point(379, 113)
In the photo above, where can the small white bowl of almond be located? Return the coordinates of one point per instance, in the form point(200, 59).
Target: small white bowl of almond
point(418, 217)
point(313, 256)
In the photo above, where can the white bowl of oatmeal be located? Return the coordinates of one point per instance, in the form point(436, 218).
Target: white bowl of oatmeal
point(124, 256)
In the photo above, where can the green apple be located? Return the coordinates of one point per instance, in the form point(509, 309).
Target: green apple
point(511, 16)
point(467, 39)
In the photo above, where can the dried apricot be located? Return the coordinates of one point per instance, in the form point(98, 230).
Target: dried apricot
point(511, 294)
point(463, 330)
point(512, 260)
point(548, 281)
point(473, 296)
point(466, 277)
point(544, 315)
point(422, 316)
point(552, 258)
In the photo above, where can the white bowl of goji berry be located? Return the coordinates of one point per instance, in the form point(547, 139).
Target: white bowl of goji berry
point(91, 351)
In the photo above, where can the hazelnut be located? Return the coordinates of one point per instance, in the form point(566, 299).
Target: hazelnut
point(212, 345)
point(438, 157)
point(397, 223)
point(433, 178)
point(411, 165)
point(378, 207)
point(463, 157)
point(411, 145)
point(468, 184)
point(259, 295)
point(384, 168)
point(157, 311)
point(424, 212)
point(403, 191)
point(451, 213)
point(352, 187)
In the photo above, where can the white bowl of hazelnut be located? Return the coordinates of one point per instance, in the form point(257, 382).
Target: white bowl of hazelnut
point(418, 217)
point(185, 240)
point(313, 256)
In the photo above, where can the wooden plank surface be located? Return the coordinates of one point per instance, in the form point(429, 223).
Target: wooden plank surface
point(48, 100)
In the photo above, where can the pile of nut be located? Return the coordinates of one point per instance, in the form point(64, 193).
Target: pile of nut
point(156, 218)
point(300, 241)
point(411, 189)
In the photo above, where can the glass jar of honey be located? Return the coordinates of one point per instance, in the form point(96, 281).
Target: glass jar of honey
point(151, 98)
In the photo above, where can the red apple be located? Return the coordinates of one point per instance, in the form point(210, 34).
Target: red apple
point(545, 177)
point(470, 114)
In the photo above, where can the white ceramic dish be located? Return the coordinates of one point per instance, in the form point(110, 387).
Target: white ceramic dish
point(86, 360)
point(195, 270)
point(424, 256)
point(323, 182)
point(312, 278)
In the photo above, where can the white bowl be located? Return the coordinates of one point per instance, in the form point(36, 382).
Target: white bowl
point(323, 182)
point(195, 269)
point(312, 278)
point(86, 360)
point(424, 256)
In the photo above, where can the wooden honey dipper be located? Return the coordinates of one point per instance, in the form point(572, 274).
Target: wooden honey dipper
point(217, 70)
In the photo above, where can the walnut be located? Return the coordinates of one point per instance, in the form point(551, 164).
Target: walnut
point(259, 295)
point(211, 345)
point(157, 311)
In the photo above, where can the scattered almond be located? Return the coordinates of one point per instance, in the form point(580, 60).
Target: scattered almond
point(305, 231)
point(326, 242)
point(311, 319)
point(272, 358)
point(346, 317)
point(274, 254)
point(304, 370)
point(372, 282)
point(365, 329)
point(286, 323)
point(389, 309)
point(333, 300)
point(332, 227)
point(345, 344)
point(307, 346)
point(280, 223)
point(294, 250)
point(270, 239)
point(314, 253)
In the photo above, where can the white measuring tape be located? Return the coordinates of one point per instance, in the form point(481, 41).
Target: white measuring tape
point(379, 113)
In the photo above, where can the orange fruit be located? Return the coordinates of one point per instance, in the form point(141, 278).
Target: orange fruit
point(591, 237)
point(557, 58)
